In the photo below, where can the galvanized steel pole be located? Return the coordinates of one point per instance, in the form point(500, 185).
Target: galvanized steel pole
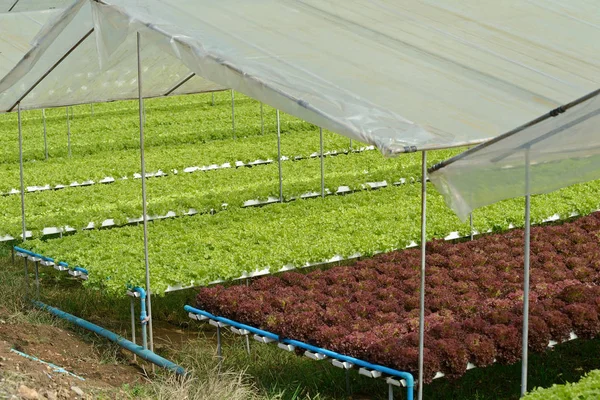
point(247, 344)
point(68, 132)
point(262, 120)
point(322, 164)
point(219, 349)
point(144, 203)
point(37, 281)
point(524, 358)
point(279, 157)
point(45, 136)
point(471, 224)
point(423, 252)
point(233, 112)
point(22, 179)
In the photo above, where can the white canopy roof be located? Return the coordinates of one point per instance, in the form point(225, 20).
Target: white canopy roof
point(560, 150)
point(403, 75)
point(78, 78)
point(17, 30)
point(32, 5)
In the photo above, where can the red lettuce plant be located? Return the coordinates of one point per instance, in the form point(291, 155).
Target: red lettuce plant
point(474, 297)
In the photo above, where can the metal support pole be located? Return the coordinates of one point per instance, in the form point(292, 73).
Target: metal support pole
point(423, 252)
point(68, 132)
point(350, 144)
point(248, 344)
point(26, 263)
point(247, 336)
point(219, 351)
point(22, 179)
point(322, 164)
point(262, 120)
point(49, 71)
point(132, 307)
point(144, 203)
point(37, 281)
point(390, 392)
point(233, 113)
point(526, 276)
point(471, 223)
point(279, 158)
point(45, 136)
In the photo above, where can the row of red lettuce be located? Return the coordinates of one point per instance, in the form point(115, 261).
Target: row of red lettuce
point(474, 300)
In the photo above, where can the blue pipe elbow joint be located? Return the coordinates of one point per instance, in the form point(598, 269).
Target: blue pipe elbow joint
point(143, 314)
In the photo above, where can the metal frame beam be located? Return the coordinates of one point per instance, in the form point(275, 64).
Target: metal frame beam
point(180, 83)
point(423, 264)
point(144, 202)
point(13, 6)
point(550, 114)
point(56, 64)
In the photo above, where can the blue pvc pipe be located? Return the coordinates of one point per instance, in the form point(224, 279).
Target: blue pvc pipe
point(31, 253)
point(62, 263)
point(121, 341)
point(143, 315)
point(24, 251)
point(331, 354)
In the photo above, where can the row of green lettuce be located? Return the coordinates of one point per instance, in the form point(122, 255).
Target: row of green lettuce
point(205, 248)
point(201, 191)
point(587, 388)
point(63, 171)
point(173, 121)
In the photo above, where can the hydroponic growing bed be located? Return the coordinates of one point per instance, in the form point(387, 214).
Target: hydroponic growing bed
point(243, 241)
point(473, 300)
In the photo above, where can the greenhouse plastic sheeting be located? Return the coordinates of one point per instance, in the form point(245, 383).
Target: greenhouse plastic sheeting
point(400, 75)
point(79, 78)
point(17, 30)
point(561, 151)
point(32, 5)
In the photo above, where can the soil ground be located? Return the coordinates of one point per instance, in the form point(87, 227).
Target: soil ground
point(24, 378)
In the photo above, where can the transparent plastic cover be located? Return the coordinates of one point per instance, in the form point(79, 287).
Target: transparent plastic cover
point(400, 75)
point(17, 30)
point(32, 5)
point(558, 152)
point(79, 79)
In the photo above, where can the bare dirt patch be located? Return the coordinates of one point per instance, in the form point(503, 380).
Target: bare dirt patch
point(25, 378)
